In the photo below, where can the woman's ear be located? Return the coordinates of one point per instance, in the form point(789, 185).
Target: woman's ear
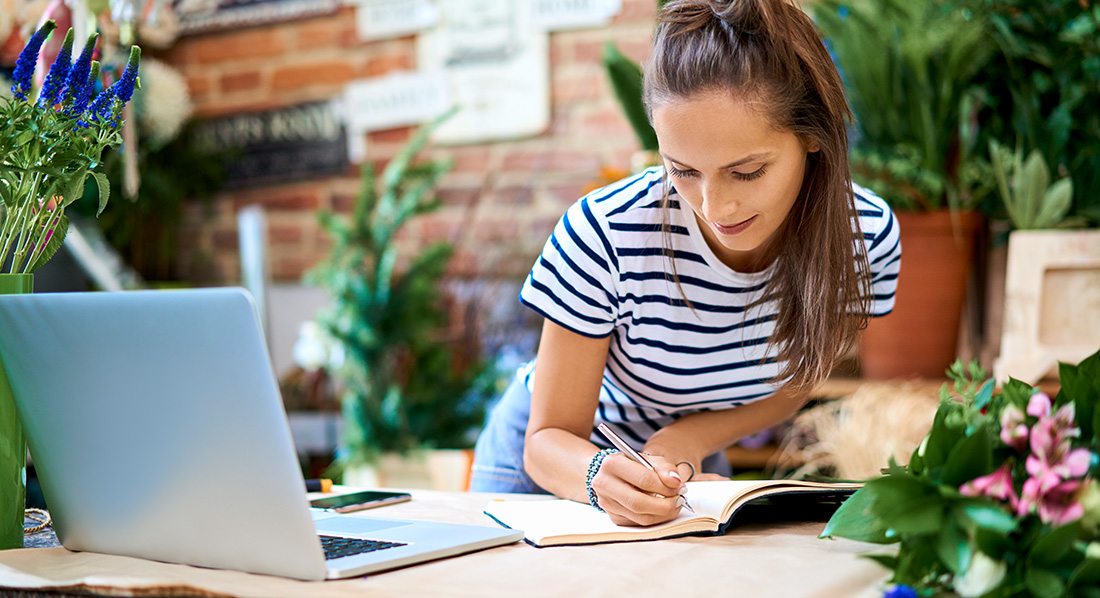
point(811, 145)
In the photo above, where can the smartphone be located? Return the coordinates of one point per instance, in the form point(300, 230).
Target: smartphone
point(357, 501)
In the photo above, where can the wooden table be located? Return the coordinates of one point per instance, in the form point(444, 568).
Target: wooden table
point(773, 559)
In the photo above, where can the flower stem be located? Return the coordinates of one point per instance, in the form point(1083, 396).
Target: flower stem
point(40, 246)
point(26, 234)
point(15, 224)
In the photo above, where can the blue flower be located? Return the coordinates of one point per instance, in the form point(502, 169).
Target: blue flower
point(900, 591)
point(124, 87)
point(55, 78)
point(78, 75)
point(24, 66)
point(107, 106)
point(84, 94)
point(102, 109)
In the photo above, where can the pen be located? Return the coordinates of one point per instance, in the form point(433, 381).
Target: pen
point(321, 485)
point(620, 444)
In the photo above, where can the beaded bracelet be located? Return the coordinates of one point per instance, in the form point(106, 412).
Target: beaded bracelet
point(593, 468)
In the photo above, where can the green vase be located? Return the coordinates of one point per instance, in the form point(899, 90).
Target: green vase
point(13, 446)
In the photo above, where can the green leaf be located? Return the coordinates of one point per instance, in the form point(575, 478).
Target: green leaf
point(916, 462)
point(394, 172)
point(985, 393)
point(970, 458)
point(953, 548)
point(1031, 182)
point(1081, 384)
point(1044, 583)
point(24, 137)
point(986, 516)
point(1087, 572)
point(1055, 204)
point(56, 239)
point(5, 194)
point(917, 560)
point(1054, 544)
point(73, 188)
point(942, 438)
point(924, 516)
point(890, 561)
point(104, 191)
point(995, 544)
point(853, 520)
point(626, 80)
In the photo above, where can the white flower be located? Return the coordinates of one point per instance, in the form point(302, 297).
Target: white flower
point(163, 103)
point(983, 575)
point(315, 349)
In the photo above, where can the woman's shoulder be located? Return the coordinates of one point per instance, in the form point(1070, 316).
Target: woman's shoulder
point(875, 215)
point(633, 197)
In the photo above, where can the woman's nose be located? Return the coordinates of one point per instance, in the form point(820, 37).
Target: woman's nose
point(718, 201)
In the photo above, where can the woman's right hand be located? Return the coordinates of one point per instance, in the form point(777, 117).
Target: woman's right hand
point(631, 494)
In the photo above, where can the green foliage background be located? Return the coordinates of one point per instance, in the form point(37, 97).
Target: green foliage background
point(404, 389)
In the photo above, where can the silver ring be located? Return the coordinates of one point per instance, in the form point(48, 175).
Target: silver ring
point(688, 463)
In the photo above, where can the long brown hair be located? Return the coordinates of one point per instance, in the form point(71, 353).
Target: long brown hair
point(771, 50)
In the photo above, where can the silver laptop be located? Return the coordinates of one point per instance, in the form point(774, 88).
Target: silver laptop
point(157, 431)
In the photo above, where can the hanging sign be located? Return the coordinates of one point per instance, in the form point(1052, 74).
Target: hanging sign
point(554, 15)
point(381, 19)
point(497, 69)
point(278, 146)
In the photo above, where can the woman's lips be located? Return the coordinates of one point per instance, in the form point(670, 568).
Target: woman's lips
point(736, 228)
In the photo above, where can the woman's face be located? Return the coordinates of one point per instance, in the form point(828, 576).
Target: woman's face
point(740, 175)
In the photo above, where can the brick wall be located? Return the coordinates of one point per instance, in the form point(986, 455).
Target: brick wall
point(501, 200)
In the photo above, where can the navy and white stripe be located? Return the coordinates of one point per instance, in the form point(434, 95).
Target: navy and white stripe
point(603, 272)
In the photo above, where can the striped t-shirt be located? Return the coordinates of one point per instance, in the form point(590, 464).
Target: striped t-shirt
point(604, 272)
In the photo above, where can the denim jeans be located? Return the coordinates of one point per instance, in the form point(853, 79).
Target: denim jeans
point(498, 456)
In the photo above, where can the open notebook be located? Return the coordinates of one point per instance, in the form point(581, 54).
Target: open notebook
point(556, 522)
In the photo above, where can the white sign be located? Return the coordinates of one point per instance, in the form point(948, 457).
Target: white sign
point(380, 19)
point(395, 100)
point(497, 69)
point(552, 15)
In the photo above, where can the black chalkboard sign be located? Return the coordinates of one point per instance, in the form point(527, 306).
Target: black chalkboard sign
point(287, 144)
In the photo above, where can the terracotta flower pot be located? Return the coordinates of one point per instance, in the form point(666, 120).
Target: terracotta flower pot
point(919, 339)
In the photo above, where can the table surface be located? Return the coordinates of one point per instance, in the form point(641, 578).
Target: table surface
point(768, 558)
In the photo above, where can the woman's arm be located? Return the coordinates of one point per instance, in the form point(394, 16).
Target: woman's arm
point(565, 394)
point(694, 436)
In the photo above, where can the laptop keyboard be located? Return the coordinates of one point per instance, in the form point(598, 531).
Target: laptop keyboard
point(336, 547)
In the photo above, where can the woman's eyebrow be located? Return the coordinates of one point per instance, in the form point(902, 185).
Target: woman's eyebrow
point(746, 160)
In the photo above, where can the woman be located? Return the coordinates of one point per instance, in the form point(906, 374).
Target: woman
point(698, 302)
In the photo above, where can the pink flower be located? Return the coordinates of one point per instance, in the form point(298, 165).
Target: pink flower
point(996, 485)
point(1051, 454)
point(1039, 405)
point(1064, 419)
point(1013, 429)
point(1058, 504)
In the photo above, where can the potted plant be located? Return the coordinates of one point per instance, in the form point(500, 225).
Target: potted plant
point(909, 67)
point(1049, 269)
point(1042, 87)
point(50, 142)
point(403, 390)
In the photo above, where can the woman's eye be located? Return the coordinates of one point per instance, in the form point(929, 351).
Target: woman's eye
point(676, 172)
point(749, 176)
